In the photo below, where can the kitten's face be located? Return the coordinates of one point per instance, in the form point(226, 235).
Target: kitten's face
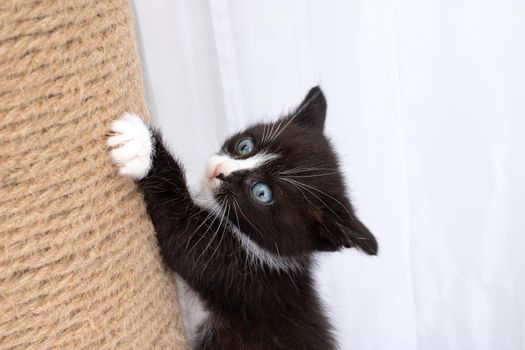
point(280, 184)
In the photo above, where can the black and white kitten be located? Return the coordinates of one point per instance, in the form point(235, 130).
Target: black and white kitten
point(272, 197)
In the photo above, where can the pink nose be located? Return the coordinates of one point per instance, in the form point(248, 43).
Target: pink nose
point(219, 171)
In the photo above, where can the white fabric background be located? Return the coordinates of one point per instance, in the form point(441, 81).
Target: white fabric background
point(426, 104)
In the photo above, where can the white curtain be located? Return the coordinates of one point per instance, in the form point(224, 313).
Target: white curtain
point(426, 105)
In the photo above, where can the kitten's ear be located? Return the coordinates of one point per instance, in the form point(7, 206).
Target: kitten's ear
point(312, 111)
point(345, 230)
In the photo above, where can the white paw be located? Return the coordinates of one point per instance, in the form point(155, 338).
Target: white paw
point(131, 146)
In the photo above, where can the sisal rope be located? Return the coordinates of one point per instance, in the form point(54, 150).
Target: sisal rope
point(79, 264)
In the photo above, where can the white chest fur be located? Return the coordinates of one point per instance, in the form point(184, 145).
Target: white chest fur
point(193, 310)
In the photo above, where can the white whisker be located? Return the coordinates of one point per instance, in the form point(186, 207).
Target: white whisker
point(315, 175)
point(255, 254)
point(213, 236)
point(222, 236)
point(301, 169)
point(277, 126)
point(295, 115)
point(214, 212)
point(313, 194)
point(326, 194)
point(248, 220)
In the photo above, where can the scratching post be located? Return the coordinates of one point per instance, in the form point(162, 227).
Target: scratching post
point(79, 264)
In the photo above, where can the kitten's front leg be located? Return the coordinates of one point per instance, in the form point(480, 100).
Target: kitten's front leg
point(187, 234)
point(140, 154)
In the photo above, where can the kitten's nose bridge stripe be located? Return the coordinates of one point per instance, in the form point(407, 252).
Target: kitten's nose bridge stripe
point(230, 165)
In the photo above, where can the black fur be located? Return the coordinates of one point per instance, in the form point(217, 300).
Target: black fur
point(254, 306)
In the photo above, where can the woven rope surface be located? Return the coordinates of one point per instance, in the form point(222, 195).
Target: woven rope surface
point(79, 265)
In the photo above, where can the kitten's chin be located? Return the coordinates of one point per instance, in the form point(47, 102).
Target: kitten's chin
point(206, 196)
point(210, 185)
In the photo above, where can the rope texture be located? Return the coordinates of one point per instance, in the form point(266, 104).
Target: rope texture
point(79, 264)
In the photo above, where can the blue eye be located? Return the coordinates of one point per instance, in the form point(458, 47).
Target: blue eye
point(261, 192)
point(245, 146)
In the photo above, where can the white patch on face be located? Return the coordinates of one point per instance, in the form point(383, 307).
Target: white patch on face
point(132, 146)
point(230, 165)
point(205, 199)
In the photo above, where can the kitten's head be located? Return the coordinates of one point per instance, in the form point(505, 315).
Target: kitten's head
point(280, 184)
